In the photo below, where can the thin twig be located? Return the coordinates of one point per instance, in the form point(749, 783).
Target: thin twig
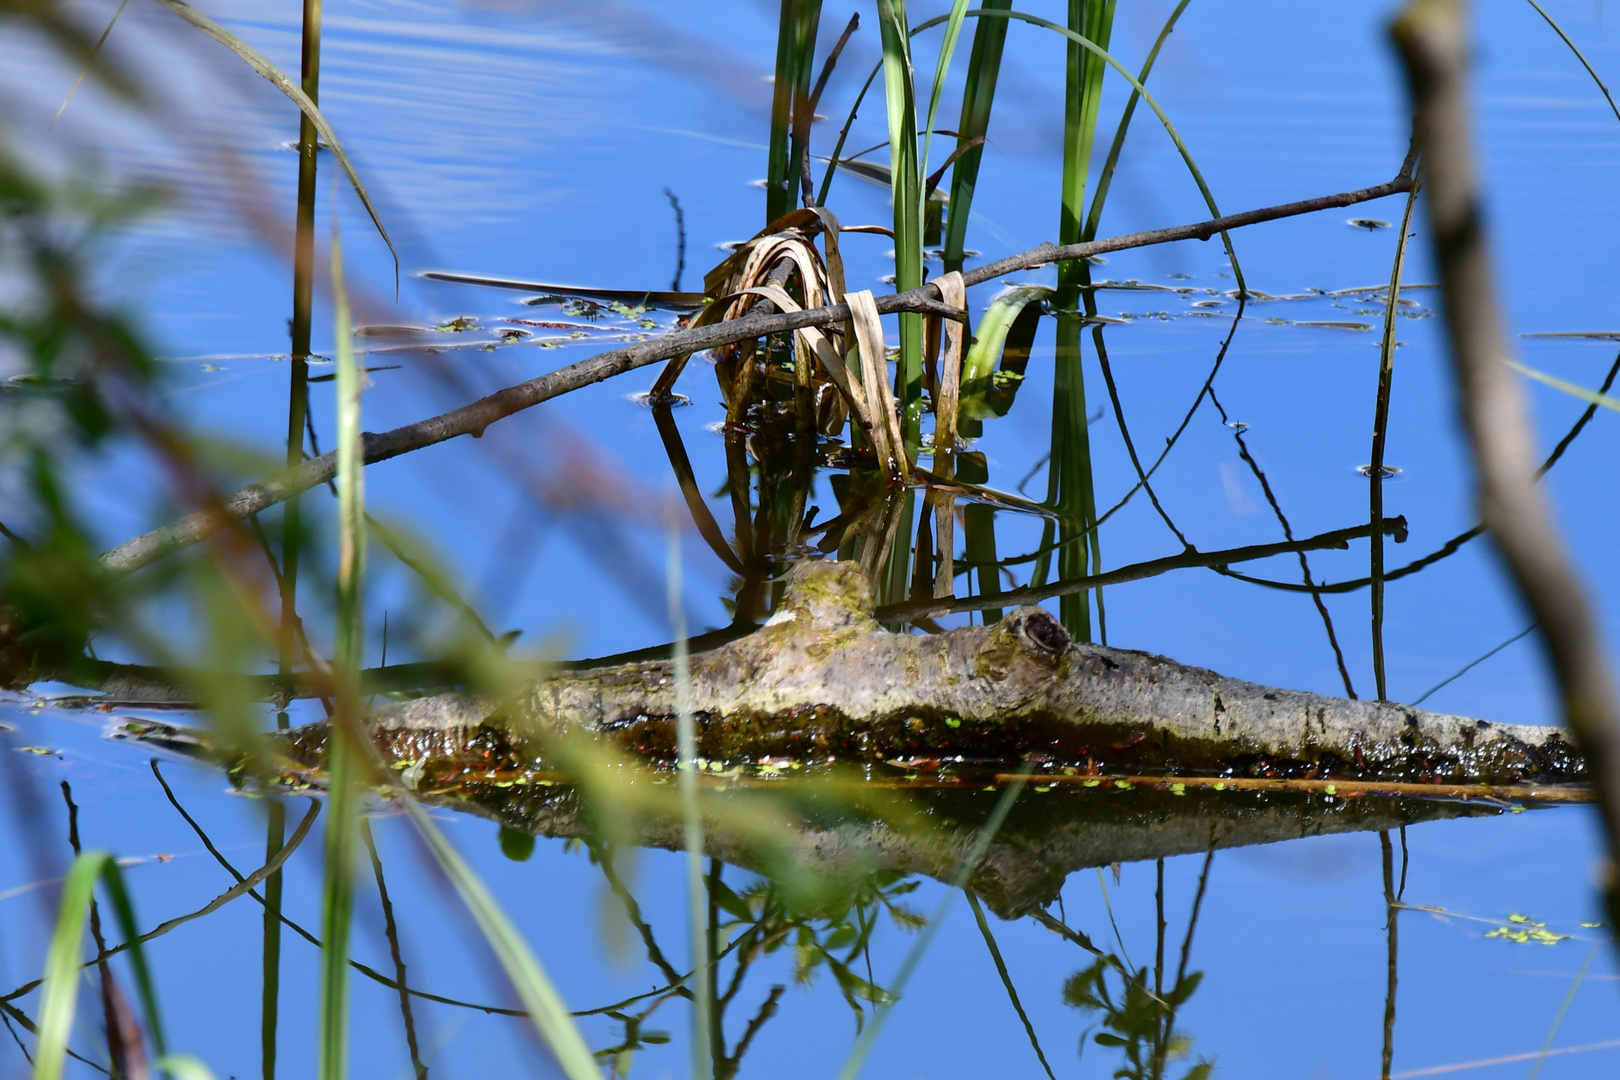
point(472, 419)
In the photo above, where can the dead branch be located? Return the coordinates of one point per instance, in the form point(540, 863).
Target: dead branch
point(473, 418)
point(1433, 39)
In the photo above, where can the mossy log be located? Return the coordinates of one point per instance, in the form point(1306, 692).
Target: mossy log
point(822, 683)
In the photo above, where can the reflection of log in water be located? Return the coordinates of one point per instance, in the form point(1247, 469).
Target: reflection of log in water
point(1047, 836)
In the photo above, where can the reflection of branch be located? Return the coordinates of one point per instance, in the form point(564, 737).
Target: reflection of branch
point(244, 885)
point(632, 911)
point(472, 419)
point(1339, 538)
point(1006, 978)
point(392, 932)
point(1433, 41)
point(728, 1066)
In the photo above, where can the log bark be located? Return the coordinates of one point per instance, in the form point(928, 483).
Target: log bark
point(824, 684)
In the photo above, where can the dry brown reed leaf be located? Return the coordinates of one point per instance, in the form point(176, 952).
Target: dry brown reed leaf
point(952, 291)
point(887, 440)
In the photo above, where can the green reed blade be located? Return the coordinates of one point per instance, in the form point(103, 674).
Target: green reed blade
point(280, 81)
point(183, 1067)
point(1089, 21)
point(1567, 387)
point(991, 334)
point(978, 94)
point(343, 823)
point(947, 48)
point(534, 988)
point(836, 159)
point(1590, 70)
point(60, 994)
point(795, 53)
point(1102, 54)
point(1106, 178)
point(906, 190)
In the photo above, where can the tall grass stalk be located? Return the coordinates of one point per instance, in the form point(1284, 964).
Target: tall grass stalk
point(534, 988)
point(978, 95)
point(1105, 178)
point(702, 947)
point(292, 510)
point(795, 56)
point(899, 84)
point(60, 994)
point(1069, 476)
point(344, 764)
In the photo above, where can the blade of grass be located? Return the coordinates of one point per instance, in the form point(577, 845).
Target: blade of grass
point(59, 996)
point(534, 988)
point(280, 81)
point(343, 822)
point(978, 95)
point(1102, 54)
point(1006, 978)
point(702, 945)
point(981, 845)
point(1069, 479)
point(947, 48)
point(1567, 387)
point(906, 191)
point(795, 51)
point(1106, 177)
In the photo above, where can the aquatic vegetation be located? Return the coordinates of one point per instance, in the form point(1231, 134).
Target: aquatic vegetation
point(826, 820)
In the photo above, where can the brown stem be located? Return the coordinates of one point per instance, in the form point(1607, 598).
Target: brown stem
point(1433, 41)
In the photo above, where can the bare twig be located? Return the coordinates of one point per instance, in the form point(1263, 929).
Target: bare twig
point(1432, 37)
point(472, 419)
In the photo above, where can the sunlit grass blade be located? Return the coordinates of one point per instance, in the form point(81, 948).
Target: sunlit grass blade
point(1573, 389)
point(343, 822)
point(280, 81)
point(59, 996)
point(691, 822)
point(899, 84)
point(991, 336)
point(897, 987)
point(1105, 178)
point(183, 1067)
point(978, 95)
point(534, 988)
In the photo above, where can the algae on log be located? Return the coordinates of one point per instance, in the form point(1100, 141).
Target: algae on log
point(823, 683)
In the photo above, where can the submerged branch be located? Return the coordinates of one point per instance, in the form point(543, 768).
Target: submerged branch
point(472, 419)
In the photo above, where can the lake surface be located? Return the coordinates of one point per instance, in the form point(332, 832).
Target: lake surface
point(535, 141)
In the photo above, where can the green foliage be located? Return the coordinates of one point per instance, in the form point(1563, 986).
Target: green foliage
point(1135, 1020)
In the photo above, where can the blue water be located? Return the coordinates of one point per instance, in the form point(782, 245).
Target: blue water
point(535, 141)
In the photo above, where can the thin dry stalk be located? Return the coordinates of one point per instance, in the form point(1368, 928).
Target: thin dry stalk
point(953, 343)
point(1433, 41)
